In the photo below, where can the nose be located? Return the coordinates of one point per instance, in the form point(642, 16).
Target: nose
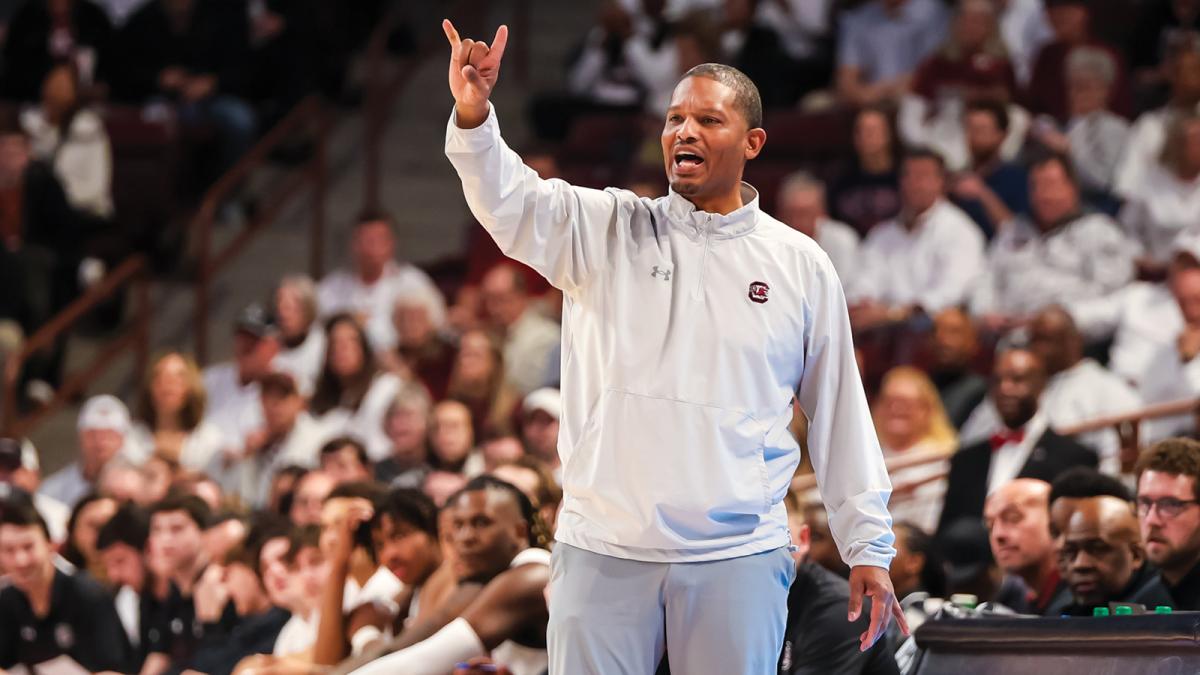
point(686, 132)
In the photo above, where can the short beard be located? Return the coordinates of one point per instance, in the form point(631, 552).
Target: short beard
point(687, 189)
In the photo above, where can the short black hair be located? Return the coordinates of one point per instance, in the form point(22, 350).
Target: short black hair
point(409, 506)
point(195, 508)
point(264, 526)
point(921, 152)
point(745, 94)
point(489, 482)
point(1041, 159)
point(16, 508)
point(996, 109)
point(130, 525)
point(340, 442)
point(1084, 482)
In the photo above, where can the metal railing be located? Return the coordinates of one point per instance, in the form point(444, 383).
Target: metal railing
point(135, 338)
point(309, 113)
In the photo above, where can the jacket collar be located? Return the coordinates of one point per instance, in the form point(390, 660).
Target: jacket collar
point(701, 223)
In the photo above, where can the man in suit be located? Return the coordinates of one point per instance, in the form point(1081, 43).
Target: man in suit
point(1025, 446)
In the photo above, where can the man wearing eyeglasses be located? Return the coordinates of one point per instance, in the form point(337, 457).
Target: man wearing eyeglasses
point(1168, 483)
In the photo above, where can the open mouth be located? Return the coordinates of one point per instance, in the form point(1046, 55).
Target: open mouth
point(687, 161)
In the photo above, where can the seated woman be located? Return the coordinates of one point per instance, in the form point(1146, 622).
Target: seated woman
point(353, 393)
point(911, 421)
point(170, 416)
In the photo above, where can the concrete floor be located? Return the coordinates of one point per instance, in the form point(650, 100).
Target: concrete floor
point(418, 187)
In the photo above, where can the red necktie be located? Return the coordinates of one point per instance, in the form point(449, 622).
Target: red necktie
point(1006, 436)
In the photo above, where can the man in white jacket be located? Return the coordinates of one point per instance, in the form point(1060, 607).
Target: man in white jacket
point(689, 323)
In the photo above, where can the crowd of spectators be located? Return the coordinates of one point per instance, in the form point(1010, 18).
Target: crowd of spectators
point(371, 481)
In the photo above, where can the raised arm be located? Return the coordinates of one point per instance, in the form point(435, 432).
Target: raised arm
point(561, 231)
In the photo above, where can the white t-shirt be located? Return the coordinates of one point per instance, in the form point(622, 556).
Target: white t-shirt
point(344, 291)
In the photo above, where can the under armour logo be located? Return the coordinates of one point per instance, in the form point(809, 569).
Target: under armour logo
point(665, 274)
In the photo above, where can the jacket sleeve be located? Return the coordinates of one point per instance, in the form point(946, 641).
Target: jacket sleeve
point(561, 231)
point(844, 450)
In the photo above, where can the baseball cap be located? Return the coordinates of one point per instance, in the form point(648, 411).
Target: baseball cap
point(256, 320)
point(546, 399)
point(104, 412)
point(967, 551)
point(17, 454)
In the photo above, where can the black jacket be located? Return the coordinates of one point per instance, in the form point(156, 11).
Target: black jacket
point(966, 487)
point(818, 639)
point(1144, 587)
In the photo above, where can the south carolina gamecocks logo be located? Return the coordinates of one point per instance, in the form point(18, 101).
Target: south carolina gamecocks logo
point(758, 291)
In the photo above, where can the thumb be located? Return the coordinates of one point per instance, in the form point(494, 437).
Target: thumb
point(856, 600)
point(472, 76)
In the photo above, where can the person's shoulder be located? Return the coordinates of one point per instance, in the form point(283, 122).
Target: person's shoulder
point(527, 579)
point(1066, 449)
point(948, 218)
point(839, 232)
point(802, 245)
point(1092, 224)
point(219, 375)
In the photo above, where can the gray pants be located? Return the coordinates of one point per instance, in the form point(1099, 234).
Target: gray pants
point(611, 616)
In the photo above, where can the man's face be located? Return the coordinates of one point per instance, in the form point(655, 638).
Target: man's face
point(413, 326)
point(1185, 78)
point(25, 556)
point(254, 354)
point(1185, 286)
point(409, 553)
point(487, 531)
point(372, 247)
point(706, 141)
point(954, 341)
point(1099, 554)
point(451, 431)
point(124, 566)
point(290, 311)
point(406, 428)
point(984, 136)
point(1052, 195)
point(344, 465)
point(1051, 338)
point(1086, 93)
point(97, 447)
point(541, 435)
point(921, 183)
point(177, 538)
point(502, 450)
point(1017, 383)
point(1018, 523)
point(801, 208)
point(1172, 541)
point(310, 494)
point(280, 410)
point(503, 303)
point(872, 133)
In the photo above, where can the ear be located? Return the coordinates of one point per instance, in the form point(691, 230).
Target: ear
point(803, 541)
point(755, 140)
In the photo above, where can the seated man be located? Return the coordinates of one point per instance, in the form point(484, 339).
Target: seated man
point(1023, 447)
point(1059, 254)
point(103, 427)
point(50, 615)
point(233, 387)
point(1168, 490)
point(121, 543)
point(818, 639)
point(177, 556)
point(491, 525)
point(926, 259)
point(1018, 521)
point(993, 189)
point(954, 346)
point(1078, 389)
point(801, 202)
point(1105, 561)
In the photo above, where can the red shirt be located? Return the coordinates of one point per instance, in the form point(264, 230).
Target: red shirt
point(940, 77)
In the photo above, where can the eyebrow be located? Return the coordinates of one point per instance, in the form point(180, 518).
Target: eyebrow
point(716, 111)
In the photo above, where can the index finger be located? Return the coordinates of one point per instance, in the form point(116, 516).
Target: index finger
point(451, 33)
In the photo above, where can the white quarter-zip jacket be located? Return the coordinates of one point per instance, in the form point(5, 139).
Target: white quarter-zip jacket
point(685, 336)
